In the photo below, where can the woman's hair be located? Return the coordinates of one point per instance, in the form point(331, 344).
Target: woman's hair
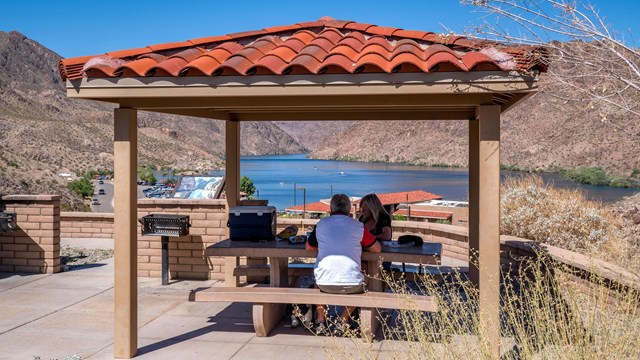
point(375, 206)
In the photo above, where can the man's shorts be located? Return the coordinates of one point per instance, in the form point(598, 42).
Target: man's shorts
point(342, 289)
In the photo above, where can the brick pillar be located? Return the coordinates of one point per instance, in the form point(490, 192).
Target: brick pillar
point(34, 246)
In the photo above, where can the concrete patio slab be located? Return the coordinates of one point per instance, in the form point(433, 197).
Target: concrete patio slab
point(71, 313)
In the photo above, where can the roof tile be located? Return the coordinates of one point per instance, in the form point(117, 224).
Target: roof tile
point(323, 46)
point(380, 30)
point(169, 46)
point(245, 34)
point(374, 60)
point(323, 43)
point(444, 61)
point(331, 34)
point(358, 26)
point(305, 64)
point(209, 40)
point(408, 58)
point(277, 29)
point(337, 23)
point(129, 52)
point(235, 65)
point(270, 64)
point(336, 64)
point(411, 34)
point(347, 51)
point(316, 51)
point(305, 36)
point(311, 24)
point(171, 67)
point(202, 66)
point(136, 68)
point(476, 59)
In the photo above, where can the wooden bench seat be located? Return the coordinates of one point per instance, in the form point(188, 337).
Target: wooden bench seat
point(263, 270)
point(268, 310)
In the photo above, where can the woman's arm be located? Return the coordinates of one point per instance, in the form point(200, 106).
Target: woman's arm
point(385, 235)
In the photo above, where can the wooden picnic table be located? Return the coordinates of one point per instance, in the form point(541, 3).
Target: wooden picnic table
point(279, 253)
point(268, 304)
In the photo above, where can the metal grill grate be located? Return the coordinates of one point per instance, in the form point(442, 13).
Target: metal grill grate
point(165, 225)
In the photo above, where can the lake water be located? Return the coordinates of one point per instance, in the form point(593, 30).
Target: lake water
point(274, 177)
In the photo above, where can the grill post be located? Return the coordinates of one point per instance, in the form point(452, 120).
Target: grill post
point(165, 225)
point(165, 260)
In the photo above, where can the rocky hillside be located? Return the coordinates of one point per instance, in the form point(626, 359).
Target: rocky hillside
point(542, 132)
point(43, 133)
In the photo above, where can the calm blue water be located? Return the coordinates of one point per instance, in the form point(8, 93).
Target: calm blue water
point(275, 175)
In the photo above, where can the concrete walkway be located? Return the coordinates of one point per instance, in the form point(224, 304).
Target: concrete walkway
point(71, 313)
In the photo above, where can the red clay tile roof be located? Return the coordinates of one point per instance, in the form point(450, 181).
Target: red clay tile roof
point(312, 207)
point(424, 214)
point(407, 197)
point(318, 47)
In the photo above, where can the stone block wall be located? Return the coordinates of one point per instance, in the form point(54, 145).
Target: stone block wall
point(186, 254)
point(86, 225)
point(34, 246)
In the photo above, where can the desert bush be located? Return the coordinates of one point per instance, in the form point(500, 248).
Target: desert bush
point(536, 211)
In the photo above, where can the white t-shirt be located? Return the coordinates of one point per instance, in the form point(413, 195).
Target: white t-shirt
point(340, 241)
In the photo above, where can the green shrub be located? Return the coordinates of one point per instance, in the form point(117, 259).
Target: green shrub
point(593, 175)
point(246, 186)
point(81, 187)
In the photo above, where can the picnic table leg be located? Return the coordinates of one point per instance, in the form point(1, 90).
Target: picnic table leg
point(266, 317)
point(230, 263)
point(373, 270)
point(369, 323)
point(279, 271)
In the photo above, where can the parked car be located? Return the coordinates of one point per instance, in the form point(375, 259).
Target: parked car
point(101, 182)
point(101, 192)
point(95, 201)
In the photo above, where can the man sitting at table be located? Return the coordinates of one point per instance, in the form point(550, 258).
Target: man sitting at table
point(340, 241)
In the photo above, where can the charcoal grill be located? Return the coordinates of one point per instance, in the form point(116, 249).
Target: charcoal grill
point(165, 225)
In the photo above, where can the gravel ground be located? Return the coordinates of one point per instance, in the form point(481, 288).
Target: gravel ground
point(71, 257)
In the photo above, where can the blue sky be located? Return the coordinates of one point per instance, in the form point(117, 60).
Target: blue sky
point(75, 28)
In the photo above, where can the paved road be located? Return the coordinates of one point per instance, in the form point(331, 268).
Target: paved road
point(106, 200)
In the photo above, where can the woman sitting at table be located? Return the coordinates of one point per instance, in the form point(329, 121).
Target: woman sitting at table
point(375, 218)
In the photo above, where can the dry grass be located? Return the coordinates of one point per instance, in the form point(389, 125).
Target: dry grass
point(533, 210)
point(544, 315)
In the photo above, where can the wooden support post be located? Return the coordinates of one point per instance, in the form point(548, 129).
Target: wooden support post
point(484, 218)
point(124, 233)
point(232, 188)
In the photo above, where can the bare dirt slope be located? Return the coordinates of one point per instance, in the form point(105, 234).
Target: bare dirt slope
point(43, 133)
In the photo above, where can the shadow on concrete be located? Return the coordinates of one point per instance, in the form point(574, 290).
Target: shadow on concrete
point(226, 320)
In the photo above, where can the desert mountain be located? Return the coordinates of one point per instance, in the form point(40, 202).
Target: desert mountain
point(544, 131)
point(43, 133)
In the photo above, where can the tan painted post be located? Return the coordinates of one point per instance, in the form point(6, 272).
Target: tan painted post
point(474, 159)
point(124, 233)
point(232, 187)
point(484, 219)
